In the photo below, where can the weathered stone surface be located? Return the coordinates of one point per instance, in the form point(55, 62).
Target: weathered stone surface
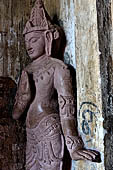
point(13, 16)
point(12, 145)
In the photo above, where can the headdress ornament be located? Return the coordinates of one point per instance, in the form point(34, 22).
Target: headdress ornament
point(39, 19)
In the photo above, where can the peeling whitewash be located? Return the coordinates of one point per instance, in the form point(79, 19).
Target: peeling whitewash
point(68, 18)
point(90, 120)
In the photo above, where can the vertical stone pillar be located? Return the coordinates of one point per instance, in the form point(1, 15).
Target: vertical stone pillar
point(94, 79)
point(89, 94)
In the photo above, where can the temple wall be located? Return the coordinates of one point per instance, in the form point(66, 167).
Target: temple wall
point(94, 41)
point(89, 81)
point(88, 26)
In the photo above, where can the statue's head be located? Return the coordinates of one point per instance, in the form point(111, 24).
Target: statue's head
point(40, 32)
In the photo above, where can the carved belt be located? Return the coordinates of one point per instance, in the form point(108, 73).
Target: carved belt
point(47, 128)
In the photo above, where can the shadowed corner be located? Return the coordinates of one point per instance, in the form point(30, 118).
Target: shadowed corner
point(7, 94)
point(98, 158)
point(60, 43)
point(67, 161)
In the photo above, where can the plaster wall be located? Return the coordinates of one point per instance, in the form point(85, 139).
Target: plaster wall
point(89, 81)
point(94, 78)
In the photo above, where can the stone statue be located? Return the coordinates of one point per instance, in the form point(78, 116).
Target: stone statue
point(48, 128)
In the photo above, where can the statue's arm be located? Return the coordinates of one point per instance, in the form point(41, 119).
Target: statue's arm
point(75, 145)
point(23, 96)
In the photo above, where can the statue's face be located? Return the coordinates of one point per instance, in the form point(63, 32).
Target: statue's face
point(35, 44)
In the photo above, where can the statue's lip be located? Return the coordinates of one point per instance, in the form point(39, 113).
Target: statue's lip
point(30, 51)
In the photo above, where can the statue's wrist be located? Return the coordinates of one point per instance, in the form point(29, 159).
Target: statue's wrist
point(74, 143)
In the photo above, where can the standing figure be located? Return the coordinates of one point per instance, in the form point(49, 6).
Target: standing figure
point(48, 128)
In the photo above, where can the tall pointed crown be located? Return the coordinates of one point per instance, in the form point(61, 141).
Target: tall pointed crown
point(39, 19)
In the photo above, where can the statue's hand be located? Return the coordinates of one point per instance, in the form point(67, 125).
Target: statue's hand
point(23, 96)
point(86, 154)
point(24, 87)
point(77, 150)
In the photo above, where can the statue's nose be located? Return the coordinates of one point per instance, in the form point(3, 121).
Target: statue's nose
point(28, 47)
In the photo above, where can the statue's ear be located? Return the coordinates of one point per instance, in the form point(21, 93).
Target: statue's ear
point(56, 34)
point(48, 40)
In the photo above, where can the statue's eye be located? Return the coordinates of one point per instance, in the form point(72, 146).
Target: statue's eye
point(33, 40)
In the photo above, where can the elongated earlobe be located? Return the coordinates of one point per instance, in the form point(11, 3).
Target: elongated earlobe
point(56, 34)
point(48, 41)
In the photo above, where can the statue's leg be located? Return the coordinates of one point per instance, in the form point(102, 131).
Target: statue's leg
point(45, 145)
point(52, 153)
point(50, 143)
point(45, 155)
point(57, 167)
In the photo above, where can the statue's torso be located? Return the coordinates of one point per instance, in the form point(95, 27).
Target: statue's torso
point(45, 101)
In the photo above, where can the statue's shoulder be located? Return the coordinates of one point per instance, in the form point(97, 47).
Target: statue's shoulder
point(61, 69)
point(58, 63)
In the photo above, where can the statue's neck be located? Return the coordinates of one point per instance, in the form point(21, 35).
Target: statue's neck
point(40, 59)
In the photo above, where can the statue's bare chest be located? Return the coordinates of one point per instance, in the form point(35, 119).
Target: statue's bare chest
point(44, 78)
